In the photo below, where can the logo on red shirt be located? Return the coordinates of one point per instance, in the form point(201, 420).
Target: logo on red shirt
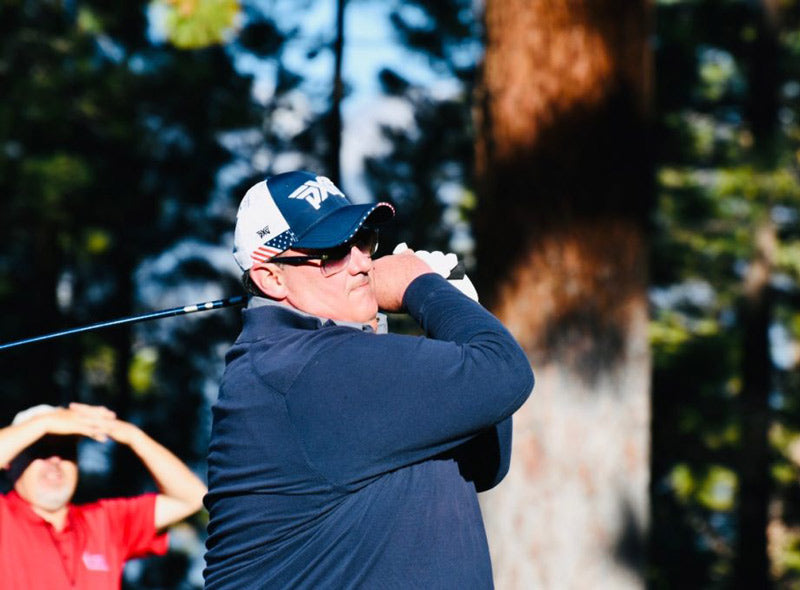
point(95, 562)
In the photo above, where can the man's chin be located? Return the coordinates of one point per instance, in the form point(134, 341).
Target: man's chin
point(369, 316)
point(364, 307)
point(52, 500)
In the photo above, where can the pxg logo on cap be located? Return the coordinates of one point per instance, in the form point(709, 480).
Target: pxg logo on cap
point(315, 191)
point(297, 210)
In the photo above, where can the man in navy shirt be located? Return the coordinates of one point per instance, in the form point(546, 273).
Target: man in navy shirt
point(342, 456)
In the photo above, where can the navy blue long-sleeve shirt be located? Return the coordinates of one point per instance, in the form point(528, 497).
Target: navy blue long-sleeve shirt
point(341, 458)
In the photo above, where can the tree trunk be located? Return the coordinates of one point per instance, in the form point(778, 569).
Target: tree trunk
point(564, 179)
point(337, 95)
point(752, 566)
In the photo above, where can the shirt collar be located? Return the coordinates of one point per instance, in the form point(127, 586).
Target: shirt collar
point(21, 507)
point(383, 325)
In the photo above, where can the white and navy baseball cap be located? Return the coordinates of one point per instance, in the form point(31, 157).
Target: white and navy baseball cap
point(298, 210)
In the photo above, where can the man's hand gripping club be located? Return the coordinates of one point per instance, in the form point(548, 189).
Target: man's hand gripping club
point(444, 265)
point(393, 274)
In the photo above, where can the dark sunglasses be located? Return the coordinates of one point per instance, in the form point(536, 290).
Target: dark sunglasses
point(336, 259)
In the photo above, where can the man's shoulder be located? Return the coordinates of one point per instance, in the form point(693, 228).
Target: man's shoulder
point(116, 505)
point(12, 502)
point(278, 357)
point(284, 336)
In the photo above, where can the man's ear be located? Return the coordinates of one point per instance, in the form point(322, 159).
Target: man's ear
point(269, 278)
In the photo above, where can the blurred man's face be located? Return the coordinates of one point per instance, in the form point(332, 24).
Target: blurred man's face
point(47, 473)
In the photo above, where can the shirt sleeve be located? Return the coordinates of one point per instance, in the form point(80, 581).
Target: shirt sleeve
point(485, 458)
point(132, 523)
point(371, 403)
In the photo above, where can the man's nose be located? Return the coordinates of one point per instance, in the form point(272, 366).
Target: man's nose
point(359, 261)
point(52, 460)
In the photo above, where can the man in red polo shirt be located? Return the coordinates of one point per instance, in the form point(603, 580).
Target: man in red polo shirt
point(47, 542)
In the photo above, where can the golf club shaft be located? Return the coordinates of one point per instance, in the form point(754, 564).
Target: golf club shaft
point(456, 273)
point(164, 313)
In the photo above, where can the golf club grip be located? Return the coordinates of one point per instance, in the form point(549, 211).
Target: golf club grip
point(458, 272)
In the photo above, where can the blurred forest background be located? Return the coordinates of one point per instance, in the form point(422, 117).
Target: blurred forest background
point(620, 176)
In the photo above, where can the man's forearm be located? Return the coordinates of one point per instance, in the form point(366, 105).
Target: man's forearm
point(183, 491)
point(15, 439)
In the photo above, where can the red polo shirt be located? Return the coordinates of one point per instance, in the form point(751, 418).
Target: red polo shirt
point(88, 554)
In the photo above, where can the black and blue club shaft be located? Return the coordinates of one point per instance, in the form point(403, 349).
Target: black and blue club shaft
point(154, 315)
point(456, 273)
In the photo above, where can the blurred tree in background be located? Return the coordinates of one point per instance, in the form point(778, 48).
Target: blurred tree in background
point(564, 177)
point(724, 295)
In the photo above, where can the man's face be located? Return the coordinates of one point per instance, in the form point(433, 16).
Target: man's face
point(49, 473)
point(347, 295)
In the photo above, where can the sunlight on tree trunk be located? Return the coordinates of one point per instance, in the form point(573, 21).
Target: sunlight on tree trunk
point(751, 564)
point(565, 184)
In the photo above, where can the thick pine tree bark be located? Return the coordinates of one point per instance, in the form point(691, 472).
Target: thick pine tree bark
point(751, 562)
point(564, 180)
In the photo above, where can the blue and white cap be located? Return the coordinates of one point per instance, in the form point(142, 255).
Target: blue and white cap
point(297, 210)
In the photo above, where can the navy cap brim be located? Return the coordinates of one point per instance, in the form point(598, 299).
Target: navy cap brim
point(342, 224)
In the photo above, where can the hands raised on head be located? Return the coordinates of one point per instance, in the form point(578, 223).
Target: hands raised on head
point(95, 422)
